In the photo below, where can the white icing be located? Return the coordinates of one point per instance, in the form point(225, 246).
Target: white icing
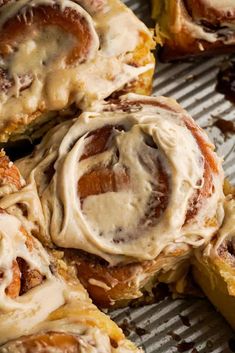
point(42, 54)
point(122, 214)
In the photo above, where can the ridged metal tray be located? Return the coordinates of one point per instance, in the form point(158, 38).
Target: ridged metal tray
point(164, 327)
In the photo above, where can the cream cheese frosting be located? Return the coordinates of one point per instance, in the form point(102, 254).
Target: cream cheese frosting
point(121, 225)
point(43, 73)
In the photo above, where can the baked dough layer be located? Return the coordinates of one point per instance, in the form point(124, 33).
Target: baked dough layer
point(129, 188)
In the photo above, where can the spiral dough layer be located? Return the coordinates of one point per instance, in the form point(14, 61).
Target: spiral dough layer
point(125, 183)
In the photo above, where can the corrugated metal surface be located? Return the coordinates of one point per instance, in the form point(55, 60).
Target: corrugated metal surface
point(193, 85)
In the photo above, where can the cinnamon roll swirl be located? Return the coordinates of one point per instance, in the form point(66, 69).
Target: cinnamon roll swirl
point(214, 265)
point(57, 53)
point(194, 27)
point(128, 190)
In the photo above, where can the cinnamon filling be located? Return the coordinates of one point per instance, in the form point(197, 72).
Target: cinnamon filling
point(98, 142)
point(108, 179)
point(101, 181)
point(29, 278)
point(210, 167)
point(23, 277)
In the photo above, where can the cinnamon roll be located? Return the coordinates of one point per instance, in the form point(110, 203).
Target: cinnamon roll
point(54, 54)
point(194, 27)
point(214, 265)
point(43, 307)
point(127, 192)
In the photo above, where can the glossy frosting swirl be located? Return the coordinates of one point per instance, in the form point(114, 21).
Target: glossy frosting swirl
point(125, 182)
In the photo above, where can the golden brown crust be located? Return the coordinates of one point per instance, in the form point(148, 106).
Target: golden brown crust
point(110, 286)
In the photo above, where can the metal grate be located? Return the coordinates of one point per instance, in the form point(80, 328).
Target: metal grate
point(194, 320)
